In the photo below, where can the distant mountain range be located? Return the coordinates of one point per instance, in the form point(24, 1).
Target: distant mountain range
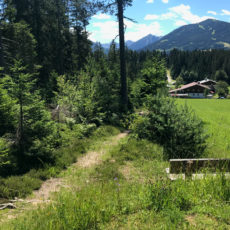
point(138, 45)
point(209, 34)
point(142, 43)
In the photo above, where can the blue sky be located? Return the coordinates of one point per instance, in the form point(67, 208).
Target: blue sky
point(157, 17)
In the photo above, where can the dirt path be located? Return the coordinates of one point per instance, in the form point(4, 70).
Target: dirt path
point(88, 160)
point(170, 80)
point(95, 158)
point(44, 194)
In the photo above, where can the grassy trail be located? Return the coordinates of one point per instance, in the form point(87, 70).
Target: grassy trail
point(46, 193)
point(121, 183)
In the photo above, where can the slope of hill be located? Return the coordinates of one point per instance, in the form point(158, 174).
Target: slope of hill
point(143, 42)
point(129, 43)
point(209, 34)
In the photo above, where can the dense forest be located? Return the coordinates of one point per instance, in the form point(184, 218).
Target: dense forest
point(199, 64)
point(52, 82)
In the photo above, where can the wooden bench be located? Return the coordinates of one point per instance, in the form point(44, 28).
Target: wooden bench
point(191, 166)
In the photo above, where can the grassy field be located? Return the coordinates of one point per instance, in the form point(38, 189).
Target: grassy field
point(216, 116)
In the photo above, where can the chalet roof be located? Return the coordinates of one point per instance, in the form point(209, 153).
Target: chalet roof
point(190, 85)
point(207, 80)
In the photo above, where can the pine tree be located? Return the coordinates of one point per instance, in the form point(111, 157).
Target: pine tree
point(7, 109)
point(4, 151)
point(34, 130)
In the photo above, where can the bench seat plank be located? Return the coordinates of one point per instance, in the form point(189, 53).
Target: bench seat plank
point(197, 165)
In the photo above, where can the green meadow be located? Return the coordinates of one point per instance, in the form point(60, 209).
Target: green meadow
point(128, 189)
point(216, 116)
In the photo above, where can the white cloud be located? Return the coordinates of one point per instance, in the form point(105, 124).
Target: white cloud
point(168, 15)
point(165, 1)
point(129, 24)
point(184, 12)
point(225, 12)
point(140, 30)
point(151, 17)
point(180, 23)
point(102, 16)
point(150, 1)
point(165, 16)
point(104, 31)
point(180, 13)
point(212, 12)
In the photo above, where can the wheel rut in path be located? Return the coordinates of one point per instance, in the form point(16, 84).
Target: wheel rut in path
point(43, 195)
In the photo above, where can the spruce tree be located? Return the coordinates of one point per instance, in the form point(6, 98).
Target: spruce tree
point(35, 132)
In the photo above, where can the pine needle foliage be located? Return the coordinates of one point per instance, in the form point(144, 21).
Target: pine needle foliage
point(176, 128)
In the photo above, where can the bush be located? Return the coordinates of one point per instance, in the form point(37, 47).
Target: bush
point(177, 129)
point(105, 131)
point(18, 186)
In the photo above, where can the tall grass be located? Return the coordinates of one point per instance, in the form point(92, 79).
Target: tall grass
point(216, 116)
point(111, 201)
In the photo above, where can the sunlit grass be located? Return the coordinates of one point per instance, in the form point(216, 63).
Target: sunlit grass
point(216, 115)
point(130, 190)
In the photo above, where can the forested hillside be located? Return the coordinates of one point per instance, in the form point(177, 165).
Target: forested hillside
point(198, 65)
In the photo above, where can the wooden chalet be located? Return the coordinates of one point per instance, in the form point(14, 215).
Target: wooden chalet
point(208, 82)
point(192, 90)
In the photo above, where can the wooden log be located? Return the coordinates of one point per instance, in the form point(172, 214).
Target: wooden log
point(8, 205)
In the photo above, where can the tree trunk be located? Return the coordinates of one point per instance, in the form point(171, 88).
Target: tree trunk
point(124, 94)
point(21, 130)
point(1, 47)
point(1, 44)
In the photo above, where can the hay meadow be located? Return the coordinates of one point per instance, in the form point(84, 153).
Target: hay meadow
point(215, 114)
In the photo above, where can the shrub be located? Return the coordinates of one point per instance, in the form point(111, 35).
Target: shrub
point(105, 131)
point(177, 129)
point(153, 78)
point(18, 186)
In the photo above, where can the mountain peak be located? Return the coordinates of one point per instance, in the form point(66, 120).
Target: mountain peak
point(209, 20)
point(143, 42)
point(212, 21)
point(209, 34)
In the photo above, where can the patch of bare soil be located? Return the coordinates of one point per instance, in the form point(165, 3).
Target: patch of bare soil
point(121, 135)
point(95, 158)
point(92, 158)
point(127, 171)
point(43, 194)
point(191, 220)
point(131, 173)
point(54, 184)
point(40, 197)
